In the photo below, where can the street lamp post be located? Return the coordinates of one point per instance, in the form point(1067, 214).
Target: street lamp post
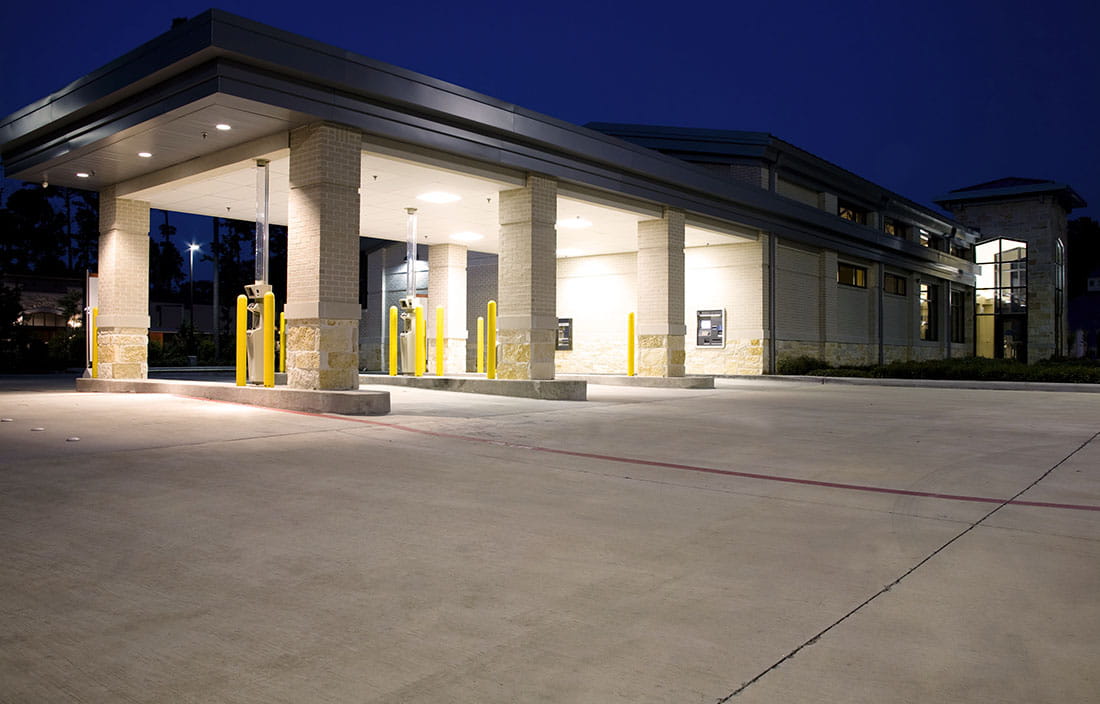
point(191, 249)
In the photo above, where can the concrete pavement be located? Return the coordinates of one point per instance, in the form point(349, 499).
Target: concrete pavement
point(760, 542)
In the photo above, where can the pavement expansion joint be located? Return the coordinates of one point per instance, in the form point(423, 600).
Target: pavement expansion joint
point(814, 639)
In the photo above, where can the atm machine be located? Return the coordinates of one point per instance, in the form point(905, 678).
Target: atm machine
point(255, 295)
point(406, 353)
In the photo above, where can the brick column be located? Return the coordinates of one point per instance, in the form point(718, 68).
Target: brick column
point(123, 287)
point(527, 280)
point(447, 288)
point(322, 307)
point(660, 324)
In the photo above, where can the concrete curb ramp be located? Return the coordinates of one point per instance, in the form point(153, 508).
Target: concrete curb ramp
point(656, 382)
point(546, 389)
point(349, 403)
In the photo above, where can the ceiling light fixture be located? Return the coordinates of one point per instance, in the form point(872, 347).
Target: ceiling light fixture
point(577, 223)
point(82, 174)
point(145, 155)
point(438, 197)
point(223, 127)
point(467, 236)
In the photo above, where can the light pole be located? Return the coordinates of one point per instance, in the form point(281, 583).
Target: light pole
point(191, 249)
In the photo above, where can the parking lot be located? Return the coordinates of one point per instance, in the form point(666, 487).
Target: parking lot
point(766, 541)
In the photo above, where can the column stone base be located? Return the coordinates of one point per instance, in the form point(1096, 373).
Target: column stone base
point(454, 355)
point(661, 355)
point(123, 353)
point(322, 354)
point(526, 354)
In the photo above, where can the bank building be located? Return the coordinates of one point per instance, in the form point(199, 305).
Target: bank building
point(726, 251)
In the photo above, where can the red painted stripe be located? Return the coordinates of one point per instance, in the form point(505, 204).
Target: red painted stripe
point(690, 467)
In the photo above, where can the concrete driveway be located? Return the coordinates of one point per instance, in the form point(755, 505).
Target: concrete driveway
point(762, 542)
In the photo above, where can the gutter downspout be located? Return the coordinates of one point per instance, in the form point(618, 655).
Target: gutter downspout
point(772, 278)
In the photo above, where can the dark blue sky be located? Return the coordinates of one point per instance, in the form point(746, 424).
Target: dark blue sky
point(919, 97)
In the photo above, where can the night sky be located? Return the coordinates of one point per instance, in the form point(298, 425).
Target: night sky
point(919, 97)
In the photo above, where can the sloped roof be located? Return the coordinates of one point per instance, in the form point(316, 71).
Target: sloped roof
point(1012, 186)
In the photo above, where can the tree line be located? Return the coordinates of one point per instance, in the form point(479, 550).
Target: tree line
point(54, 232)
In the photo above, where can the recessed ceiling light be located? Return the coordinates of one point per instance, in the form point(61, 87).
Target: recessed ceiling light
point(438, 197)
point(467, 236)
point(577, 223)
point(82, 174)
point(567, 252)
point(223, 127)
point(145, 155)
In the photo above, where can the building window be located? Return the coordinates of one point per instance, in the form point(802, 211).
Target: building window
point(893, 227)
point(852, 213)
point(897, 285)
point(926, 239)
point(1000, 299)
point(851, 275)
point(929, 305)
point(958, 316)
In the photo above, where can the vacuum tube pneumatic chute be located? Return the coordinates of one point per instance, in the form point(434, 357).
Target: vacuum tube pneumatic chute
point(258, 302)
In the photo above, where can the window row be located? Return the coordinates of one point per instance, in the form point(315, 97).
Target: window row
point(856, 276)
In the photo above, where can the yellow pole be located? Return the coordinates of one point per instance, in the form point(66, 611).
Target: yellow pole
point(491, 341)
point(394, 333)
point(440, 345)
point(269, 340)
point(630, 344)
point(242, 339)
point(282, 342)
point(95, 343)
point(480, 345)
point(421, 352)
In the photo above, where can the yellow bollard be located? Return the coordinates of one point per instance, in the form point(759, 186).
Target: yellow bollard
point(269, 340)
point(440, 345)
point(95, 343)
point(491, 341)
point(421, 337)
point(480, 345)
point(394, 334)
point(282, 342)
point(630, 344)
point(242, 339)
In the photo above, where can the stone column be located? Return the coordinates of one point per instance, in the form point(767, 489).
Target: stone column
point(123, 287)
point(527, 321)
point(447, 288)
point(660, 323)
point(322, 308)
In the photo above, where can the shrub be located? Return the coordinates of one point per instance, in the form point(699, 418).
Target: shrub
point(963, 368)
point(803, 364)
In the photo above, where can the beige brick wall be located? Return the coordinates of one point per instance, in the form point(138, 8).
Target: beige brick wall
point(733, 278)
point(597, 293)
point(798, 294)
point(817, 316)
